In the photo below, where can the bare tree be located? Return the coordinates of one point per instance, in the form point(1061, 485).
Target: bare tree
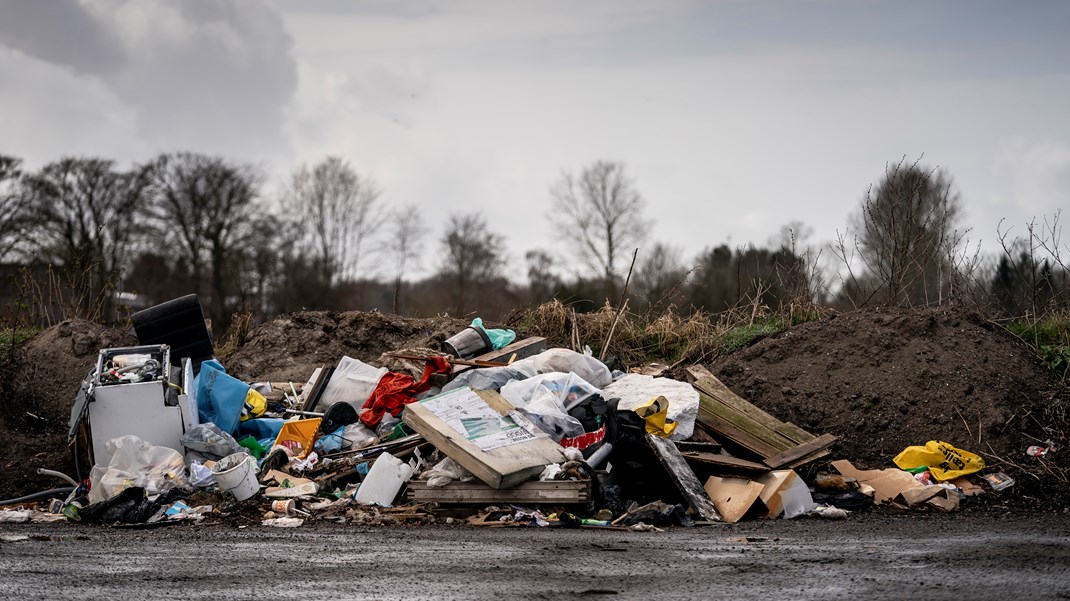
point(471, 256)
point(543, 284)
point(907, 235)
point(338, 211)
point(203, 207)
point(12, 213)
point(659, 276)
point(87, 213)
point(798, 264)
point(600, 214)
point(406, 232)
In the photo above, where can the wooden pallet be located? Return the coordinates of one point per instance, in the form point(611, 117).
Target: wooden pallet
point(778, 444)
point(558, 492)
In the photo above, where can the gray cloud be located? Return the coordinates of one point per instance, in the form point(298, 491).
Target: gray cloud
point(60, 32)
point(205, 76)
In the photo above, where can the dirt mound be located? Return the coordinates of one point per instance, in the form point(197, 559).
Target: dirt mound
point(38, 389)
point(50, 366)
point(882, 380)
point(292, 346)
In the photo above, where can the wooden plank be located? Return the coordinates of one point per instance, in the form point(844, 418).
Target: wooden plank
point(521, 348)
point(698, 446)
point(533, 492)
point(707, 383)
point(807, 448)
point(684, 478)
point(503, 467)
point(725, 461)
point(807, 459)
point(743, 431)
point(736, 435)
point(795, 433)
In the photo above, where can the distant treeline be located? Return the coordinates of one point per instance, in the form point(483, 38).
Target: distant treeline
point(83, 237)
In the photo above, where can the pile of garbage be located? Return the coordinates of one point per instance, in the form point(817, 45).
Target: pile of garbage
point(487, 430)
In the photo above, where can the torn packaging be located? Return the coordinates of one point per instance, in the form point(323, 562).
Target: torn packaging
point(733, 497)
point(736, 497)
point(899, 488)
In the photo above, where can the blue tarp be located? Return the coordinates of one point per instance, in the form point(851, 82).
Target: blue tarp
point(220, 397)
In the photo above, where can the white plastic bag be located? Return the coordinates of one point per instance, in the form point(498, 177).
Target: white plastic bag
point(352, 382)
point(135, 462)
point(563, 360)
point(446, 471)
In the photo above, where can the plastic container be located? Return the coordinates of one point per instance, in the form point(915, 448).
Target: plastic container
point(299, 436)
point(469, 342)
point(383, 482)
point(237, 474)
point(284, 507)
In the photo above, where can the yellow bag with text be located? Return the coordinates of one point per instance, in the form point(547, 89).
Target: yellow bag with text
point(655, 412)
point(944, 461)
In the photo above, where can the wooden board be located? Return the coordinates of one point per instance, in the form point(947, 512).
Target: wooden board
point(503, 467)
point(684, 478)
point(740, 428)
point(807, 448)
point(708, 383)
point(724, 461)
point(779, 444)
point(533, 492)
point(521, 348)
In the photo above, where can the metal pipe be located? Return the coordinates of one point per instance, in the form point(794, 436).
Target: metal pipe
point(600, 455)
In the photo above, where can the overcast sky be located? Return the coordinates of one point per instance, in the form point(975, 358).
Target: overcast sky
point(734, 117)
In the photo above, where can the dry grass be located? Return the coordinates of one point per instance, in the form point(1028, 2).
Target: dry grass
point(236, 336)
point(666, 337)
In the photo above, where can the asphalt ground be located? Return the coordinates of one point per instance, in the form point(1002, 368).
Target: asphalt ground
point(869, 556)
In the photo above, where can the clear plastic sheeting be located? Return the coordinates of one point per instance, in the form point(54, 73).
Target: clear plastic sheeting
point(490, 378)
point(210, 441)
point(555, 360)
point(136, 463)
point(547, 398)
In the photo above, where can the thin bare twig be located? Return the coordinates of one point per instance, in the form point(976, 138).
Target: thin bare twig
point(620, 311)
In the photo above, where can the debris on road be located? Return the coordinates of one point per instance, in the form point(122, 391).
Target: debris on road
point(500, 432)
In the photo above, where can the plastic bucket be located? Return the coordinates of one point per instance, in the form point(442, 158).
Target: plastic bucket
point(237, 474)
point(468, 343)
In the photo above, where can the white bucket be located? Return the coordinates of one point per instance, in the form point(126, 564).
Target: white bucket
point(237, 473)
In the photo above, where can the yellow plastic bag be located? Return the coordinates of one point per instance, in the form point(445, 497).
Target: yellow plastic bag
point(944, 461)
point(655, 413)
point(255, 405)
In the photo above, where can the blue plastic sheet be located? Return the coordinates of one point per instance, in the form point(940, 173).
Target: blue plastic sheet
point(261, 428)
point(220, 397)
point(331, 443)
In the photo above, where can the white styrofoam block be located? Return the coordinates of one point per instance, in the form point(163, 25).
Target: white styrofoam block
point(636, 389)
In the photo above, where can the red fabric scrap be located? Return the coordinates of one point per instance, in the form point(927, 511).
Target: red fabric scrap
point(395, 390)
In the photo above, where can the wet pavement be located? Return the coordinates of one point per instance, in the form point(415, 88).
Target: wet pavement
point(909, 556)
